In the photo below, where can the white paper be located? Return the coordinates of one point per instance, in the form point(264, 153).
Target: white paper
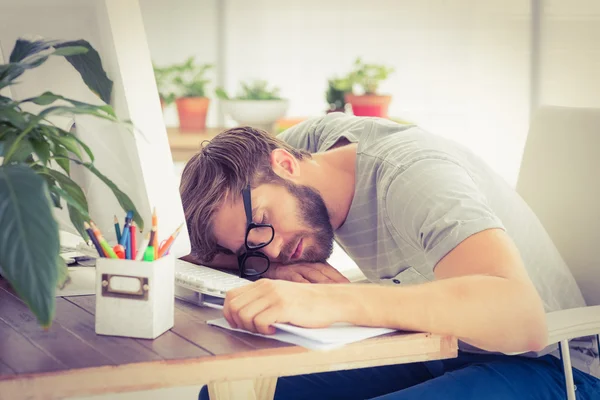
point(83, 282)
point(333, 337)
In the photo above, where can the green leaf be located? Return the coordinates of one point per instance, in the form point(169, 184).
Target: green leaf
point(122, 198)
point(23, 150)
point(13, 117)
point(62, 158)
point(41, 149)
point(26, 48)
point(29, 241)
point(90, 68)
point(69, 51)
point(98, 111)
point(55, 200)
point(67, 141)
point(71, 202)
point(75, 195)
point(77, 219)
point(85, 147)
point(47, 98)
point(30, 54)
point(63, 273)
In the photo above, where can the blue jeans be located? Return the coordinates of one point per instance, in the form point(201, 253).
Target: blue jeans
point(470, 376)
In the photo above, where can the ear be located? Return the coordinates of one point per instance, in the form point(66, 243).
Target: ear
point(284, 164)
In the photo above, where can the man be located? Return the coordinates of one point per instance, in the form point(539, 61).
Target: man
point(453, 248)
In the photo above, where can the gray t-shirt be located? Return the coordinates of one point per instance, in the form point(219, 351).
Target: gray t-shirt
point(418, 195)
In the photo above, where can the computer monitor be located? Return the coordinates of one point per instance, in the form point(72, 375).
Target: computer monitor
point(139, 162)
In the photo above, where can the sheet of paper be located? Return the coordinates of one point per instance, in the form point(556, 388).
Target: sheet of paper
point(314, 339)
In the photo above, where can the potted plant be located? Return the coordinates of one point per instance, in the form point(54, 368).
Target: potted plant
point(369, 102)
point(190, 83)
point(256, 105)
point(35, 160)
point(337, 88)
point(164, 84)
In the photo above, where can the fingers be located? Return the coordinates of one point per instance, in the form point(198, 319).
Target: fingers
point(316, 276)
point(236, 299)
point(264, 320)
point(245, 317)
point(333, 273)
point(253, 310)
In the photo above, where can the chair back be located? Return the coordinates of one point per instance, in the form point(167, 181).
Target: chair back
point(560, 180)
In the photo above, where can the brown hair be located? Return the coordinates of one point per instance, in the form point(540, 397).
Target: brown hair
point(232, 160)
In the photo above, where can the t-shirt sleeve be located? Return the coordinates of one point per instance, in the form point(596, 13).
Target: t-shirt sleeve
point(434, 204)
point(319, 134)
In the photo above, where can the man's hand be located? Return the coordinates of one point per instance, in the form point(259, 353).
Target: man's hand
point(306, 273)
point(255, 307)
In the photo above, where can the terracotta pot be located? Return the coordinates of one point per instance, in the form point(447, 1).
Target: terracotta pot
point(192, 113)
point(369, 105)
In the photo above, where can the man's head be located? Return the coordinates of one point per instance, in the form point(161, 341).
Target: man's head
point(211, 192)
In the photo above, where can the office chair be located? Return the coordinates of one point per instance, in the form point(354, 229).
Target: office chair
point(560, 180)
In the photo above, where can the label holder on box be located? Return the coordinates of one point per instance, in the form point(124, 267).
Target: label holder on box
point(109, 291)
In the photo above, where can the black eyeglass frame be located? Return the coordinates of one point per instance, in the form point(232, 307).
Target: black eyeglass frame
point(252, 250)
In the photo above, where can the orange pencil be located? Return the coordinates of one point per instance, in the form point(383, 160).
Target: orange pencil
point(155, 229)
point(163, 249)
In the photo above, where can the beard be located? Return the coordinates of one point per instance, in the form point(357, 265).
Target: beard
point(313, 213)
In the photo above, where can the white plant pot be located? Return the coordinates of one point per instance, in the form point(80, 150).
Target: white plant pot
point(260, 114)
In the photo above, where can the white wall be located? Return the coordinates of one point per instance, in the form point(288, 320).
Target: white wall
point(461, 66)
point(570, 53)
point(179, 29)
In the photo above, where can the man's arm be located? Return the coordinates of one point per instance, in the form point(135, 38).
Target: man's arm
point(482, 295)
point(303, 273)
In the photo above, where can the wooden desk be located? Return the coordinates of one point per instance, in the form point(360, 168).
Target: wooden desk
point(71, 360)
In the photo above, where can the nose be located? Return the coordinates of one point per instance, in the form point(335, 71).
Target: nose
point(273, 249)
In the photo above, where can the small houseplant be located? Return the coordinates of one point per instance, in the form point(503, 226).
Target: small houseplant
point(189, 82)
point(164, 84)
point(337, 88)
point(35, 165)
point(256, 105)
point(367, 77)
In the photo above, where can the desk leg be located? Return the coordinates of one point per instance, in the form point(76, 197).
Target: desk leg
point(250, 389)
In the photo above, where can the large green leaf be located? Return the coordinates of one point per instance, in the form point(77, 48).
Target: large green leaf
point(79, 53)
point(90, 68)
point(29, 241)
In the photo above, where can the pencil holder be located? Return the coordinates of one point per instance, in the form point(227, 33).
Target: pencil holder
point(135, 298)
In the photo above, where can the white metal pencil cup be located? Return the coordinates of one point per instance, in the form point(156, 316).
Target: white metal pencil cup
point(135, 298)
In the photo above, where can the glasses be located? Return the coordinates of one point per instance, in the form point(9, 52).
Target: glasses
point(253, 262)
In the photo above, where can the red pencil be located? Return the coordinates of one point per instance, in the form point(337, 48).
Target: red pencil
point(132, 237)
